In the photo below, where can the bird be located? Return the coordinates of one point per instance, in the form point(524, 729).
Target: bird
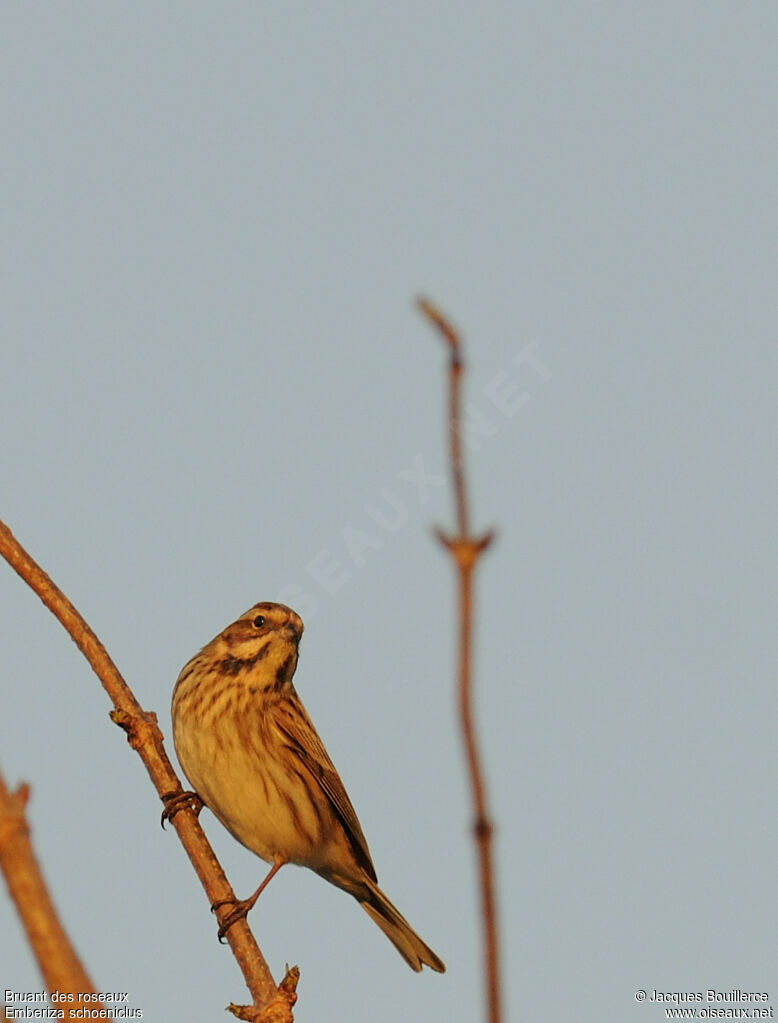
point(251, 753)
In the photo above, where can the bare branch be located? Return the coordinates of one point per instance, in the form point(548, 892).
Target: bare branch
point(145, 737)
point(465, 551)
point(61, 968)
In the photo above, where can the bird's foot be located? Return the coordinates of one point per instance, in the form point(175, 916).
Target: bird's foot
point(239, 911)
point(175, 801)
point(242, 906)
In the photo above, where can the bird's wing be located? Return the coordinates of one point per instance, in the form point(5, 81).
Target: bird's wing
point(293, 721)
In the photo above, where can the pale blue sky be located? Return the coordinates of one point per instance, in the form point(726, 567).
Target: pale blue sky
point(215, 220)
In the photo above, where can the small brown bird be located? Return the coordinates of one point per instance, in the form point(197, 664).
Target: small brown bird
point(250, 751)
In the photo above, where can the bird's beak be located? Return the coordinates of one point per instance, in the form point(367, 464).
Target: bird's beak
point(291, 632)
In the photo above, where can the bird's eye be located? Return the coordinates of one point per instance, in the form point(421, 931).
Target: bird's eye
point(259, 621)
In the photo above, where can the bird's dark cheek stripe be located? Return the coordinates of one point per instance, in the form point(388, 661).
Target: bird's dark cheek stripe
point(235, 665)
point(283, 674)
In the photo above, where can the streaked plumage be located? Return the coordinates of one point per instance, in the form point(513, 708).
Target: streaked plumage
point(252, 754)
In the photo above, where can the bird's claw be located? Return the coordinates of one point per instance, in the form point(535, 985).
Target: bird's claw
point(239, 912)
point(175, 801)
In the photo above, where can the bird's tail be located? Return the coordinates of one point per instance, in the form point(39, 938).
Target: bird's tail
point(399, 931)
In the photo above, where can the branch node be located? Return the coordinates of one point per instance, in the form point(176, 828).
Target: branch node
point(483, 828)
point(142, 729)
point(13, 819)
point(278, 1009)
point(465, 549)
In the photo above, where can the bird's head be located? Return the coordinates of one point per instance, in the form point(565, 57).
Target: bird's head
point(265, 638)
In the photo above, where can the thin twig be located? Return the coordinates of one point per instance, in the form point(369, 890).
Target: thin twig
point(466, 550)
point(145, 737)
point(61, 968)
